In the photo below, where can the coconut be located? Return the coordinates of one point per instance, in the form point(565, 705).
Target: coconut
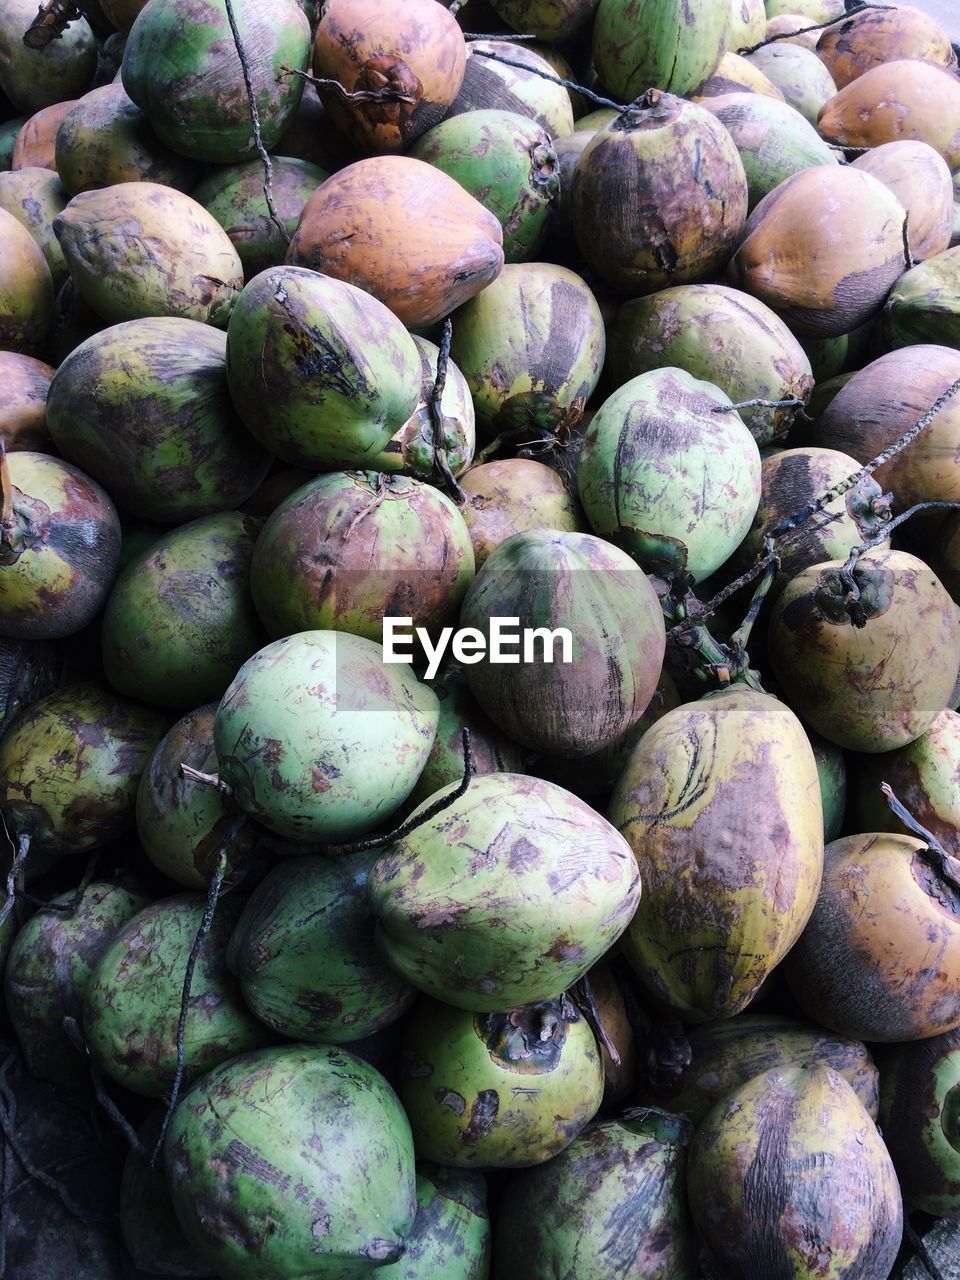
point(924, 304)
point(736, 75)
point(794, 25)
point(192, 85)
point(889, 973)
point(26, 289)
point(24, 383)
point(515, 495)
point(896, 101)
point(37, 78)
point(577, 703)
point(105, 138)
point(531, 348)
point(798, 1142)
point(799, 74)
point(881, 402)
point(320, 372)
point(191, 269)
point(720, 801)
point(419, 242)
point(145, 408)
point(670, 473)
point(517, 84)
point(866, 40)
point(350, 547)
point(669, 45)
point(718, 335)
point(411, 47)
point(879, 684)
point(918, 176)
point(797, 255)
point(35, 196)
point(36, 143)
point(642, 224)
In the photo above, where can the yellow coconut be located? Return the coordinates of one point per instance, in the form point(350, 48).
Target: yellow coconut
point(26, 289)
point(822, 249)
point(898, 100)
point(412, 48)
point(796, 27)
point(720, 802)
point(875, 36)
point(736, 75)
point(403, 231)
point(918, 176)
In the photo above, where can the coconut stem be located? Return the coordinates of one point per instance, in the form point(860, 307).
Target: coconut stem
point(790, 530)
point(907, 255)
point(13, 876)
point(545, 75)
point(944, 864)
point(852, 600)
point(440, 460)
point(70, 908)
point(206, 779)
point(51, 21)
point(438, 806)
point(817, 26)
point(385, 94)
point(583, 998)
point(255, 120)
point(206, 924)
point(371, 506)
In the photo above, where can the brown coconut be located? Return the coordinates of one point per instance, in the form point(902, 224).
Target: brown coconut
point(918, 176)
point(516, 495)
point(405, 232)
point(874, 36)
point(412, 48)
point(883, 401)
point(24, 382)
point(823, 249)
point(898, 100)
point(36, 143)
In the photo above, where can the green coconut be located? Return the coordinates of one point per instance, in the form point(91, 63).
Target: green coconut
point(305, 954)
point(671, 45)
point(182, 68)
point(132, 1000)
point(519, 84)
point(612, 1204)
point(498, 1090)
point(524, 883)
point(145, 408)
point(924, 304)
point(508, 163)
point(143, 249)
point(719, 335)
point(319, 739)
point(322, 373)
point(798, 73)
point(531, 347)
point(26, 289)
point(670, 473)
point(70, 766)
point(234, 195)
point(36, 78)
point(314, 1117)
point(451, 1232)
point(50, 967)
point(773, 139)
point(350, 547)
point(180, 618)
point(184, 824)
